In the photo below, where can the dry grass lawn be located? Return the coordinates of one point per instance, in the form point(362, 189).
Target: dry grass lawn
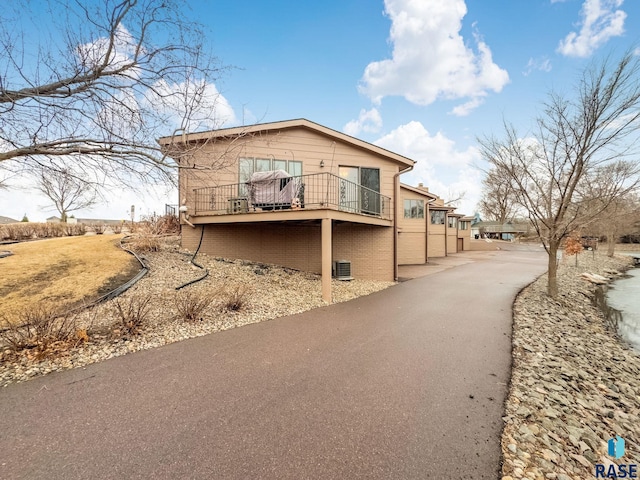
point(61, 272)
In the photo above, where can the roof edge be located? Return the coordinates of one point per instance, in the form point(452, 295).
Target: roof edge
point(286, 124)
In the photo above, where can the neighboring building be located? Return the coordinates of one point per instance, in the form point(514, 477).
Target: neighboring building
point(427, 227)
point(86, 221)
point(413, 224)
point(301, 195)
point(500, 231)
point(464, 233)
point(6, 220)
point(439, 242)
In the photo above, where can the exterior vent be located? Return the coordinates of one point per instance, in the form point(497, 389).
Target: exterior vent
point(342, 270)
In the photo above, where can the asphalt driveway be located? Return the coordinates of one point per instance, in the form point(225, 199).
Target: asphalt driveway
point(405, 383)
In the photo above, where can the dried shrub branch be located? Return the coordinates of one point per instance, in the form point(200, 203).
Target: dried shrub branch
point(131, 314)
point(191, 306)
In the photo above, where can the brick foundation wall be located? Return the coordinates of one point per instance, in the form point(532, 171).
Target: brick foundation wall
point(369, 248)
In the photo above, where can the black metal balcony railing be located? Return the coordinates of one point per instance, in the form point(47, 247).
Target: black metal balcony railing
point(316, 191)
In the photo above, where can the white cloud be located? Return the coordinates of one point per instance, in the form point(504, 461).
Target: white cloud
point(600, 20)
point(543, 64)
point(201, 102)
point(440, 165)
point(466, 108)
point(121, 52)
point(368, 121)
point(430, 59)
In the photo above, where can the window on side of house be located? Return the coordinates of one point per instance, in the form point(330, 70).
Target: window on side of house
point(453, 221)
point(248, 166)
point(437, 217)
point(414, 209)
point(464, 225)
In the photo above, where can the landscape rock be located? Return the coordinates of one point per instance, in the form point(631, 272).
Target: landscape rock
point(573, 378)
point(270, 292)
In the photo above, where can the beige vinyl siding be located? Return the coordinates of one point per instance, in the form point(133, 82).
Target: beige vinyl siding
point(452, 240)
point(299, 144)
point(436, 241)
point(465, 236)
point(412, 232)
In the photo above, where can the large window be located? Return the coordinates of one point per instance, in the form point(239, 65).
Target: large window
point(464, 225)
point(414, 209)
point(437, 217)
point(453, 221)
point(248, 166)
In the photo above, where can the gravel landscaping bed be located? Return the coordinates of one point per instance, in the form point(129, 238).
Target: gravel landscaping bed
point(574, 383)
point(266, 291)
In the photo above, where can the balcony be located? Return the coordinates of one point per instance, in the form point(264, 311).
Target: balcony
point(304, 192)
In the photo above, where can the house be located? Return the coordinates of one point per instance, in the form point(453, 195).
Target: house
point(427, 227)
point(86, 221)
point(333, 198)
point(7, 220)
point(413, 224)
point(441, 236)
point(301, 195)
point(464, 233)
point(500, 231)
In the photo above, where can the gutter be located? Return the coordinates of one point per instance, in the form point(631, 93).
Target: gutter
point(396, 187)
point(427, 219)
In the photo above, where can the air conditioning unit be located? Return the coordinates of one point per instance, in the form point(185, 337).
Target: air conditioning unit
point(238, 205)
point(342, 270)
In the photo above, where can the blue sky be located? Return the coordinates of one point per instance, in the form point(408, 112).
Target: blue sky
point(423, 78)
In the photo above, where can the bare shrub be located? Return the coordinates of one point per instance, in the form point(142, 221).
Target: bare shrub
point(235, 297)
point(144, 243)
point(21, 231)
point(49, 230)
point(99, 228)
point(191, 306)
point(160, 225)
point(131, 314)
point(117, 228)
point(4, 234)
point(79, 229)
point(75, 229)
point(39, 332)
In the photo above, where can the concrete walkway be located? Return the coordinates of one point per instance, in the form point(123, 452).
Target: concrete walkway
point(405, 383)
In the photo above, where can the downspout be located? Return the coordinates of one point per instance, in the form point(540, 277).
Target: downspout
point(396, 187)
point(427, 219)
point(185, 216)
point(446, 233)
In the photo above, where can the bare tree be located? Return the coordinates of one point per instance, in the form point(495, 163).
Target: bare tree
point(99, 82)
point(619, 217)
point(455, 197)
point(498, 202)
point(66, 190)
point(577, 140)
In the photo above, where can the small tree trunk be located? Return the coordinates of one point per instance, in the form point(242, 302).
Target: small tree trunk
point(552, 274)
point(611, 243)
